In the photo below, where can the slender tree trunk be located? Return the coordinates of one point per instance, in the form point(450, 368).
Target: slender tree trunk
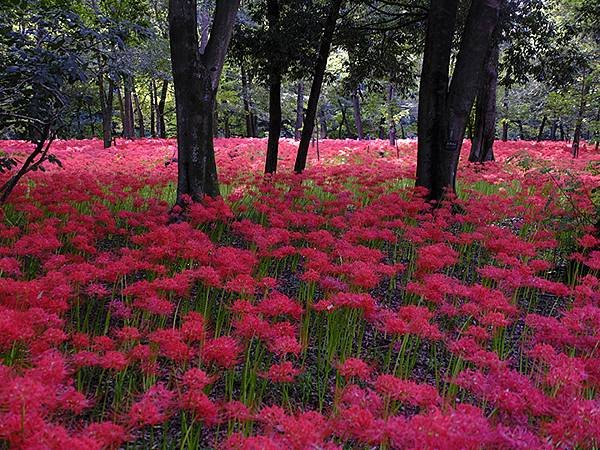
point(382, 128)
point(121, 111)
point(247, 100)
point(505, 118)
point(521, 132)
point(392, 134)
point(343, 121)
point(561, 129)
point(275, 72)
point(357, 115)
point(160, 111)
point(579, 120)
point(299, 110)
point(106, 105)
point(402, 132)
point(140, 114)
point(196, 78)
point(541, 129)
point(128, 129)
point(482, 145)
point(323, 123)
point(92, 119)
point(315, 90)
point(152, 108)
point(553, 130)
point(433, 91)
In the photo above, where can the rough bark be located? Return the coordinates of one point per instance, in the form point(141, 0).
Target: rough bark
point(299, 110)
point(196, 79)
point(315, 90)
point(485, 110)
point(433, 89)
point(357, 115)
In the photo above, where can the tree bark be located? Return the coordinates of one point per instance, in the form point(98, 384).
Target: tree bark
point(433, 90)
point(323, 123)
point(106, 105)
point(275, 73)
point(161, 127)
point(443, 112)
point(248, 107)
point(357, 115)
point(128, 128)
point(315, 90)
point(553, 129)
point(140, 114)
point(299, 110)
point(579, 120)
point(541, 129)
point(196, 79)
point(152, 89)
point(482, 145)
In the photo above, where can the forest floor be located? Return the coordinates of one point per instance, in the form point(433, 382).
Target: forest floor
point(333, 309)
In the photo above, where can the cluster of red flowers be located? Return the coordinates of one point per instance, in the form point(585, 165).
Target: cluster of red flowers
point(330, 310)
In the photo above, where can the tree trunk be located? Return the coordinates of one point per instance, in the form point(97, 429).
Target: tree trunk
point(153, 109)
point(106, 105)
point(541, 130)
point(275, 72)
point(482, 144)
point(357, 115)
point(196, 79)
point(299, 111)
point(475, 45)
point(505, 118)
point(161, 127)
point(579, 120)
point(561, 129)
point(553, 130)
point(521, 132)
point(323, 123)
point(381, 134)
point(343, 120)
point(140, 114)
point(315, 90)
point(92, 119)
point(248, 107)
point(128, 129)
point(433, 91)
point(392, 134)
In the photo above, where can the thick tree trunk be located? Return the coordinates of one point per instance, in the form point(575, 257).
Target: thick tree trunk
point(475, 44)
point(161, 127)
point(196, 78)
point(579, 120)
point(315, 90)
point(381, 133)
point(541, 129)
point(482, 145)
point(152, 109)
point(140, 114)
point(106, 105)
point(433, 91)
point(128, 128)
point(357, 115)
point(553, 129)
point(299, 110)
point(275, 73)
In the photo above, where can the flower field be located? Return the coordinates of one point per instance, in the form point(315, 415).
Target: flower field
point(331, 310)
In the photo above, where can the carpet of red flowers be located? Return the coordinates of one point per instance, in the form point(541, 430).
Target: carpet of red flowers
point(335, 309)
